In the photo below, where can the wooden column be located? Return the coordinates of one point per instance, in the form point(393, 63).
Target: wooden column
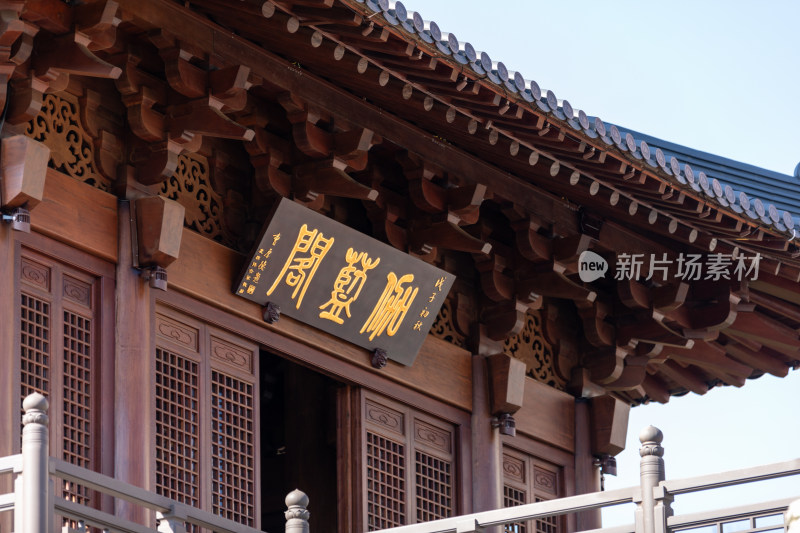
point(134, 454)
point(487, 448)
point(587, 476)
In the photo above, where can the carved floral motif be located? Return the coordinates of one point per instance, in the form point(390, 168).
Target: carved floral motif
point(35, 274)
point(58, 127)
point(545, 480)
point(513, 468)
point(385, 417)
point(531, 347)
point(78, 291)
point(432, 436)
point(177, 332)
point(233, 355)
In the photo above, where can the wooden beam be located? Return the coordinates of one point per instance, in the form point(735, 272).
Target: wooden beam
point(776, 305)
point(767, 332)
point(757, 359)
point(75, 213)
point(193, 28)
point(709, 357)
point(683, 377)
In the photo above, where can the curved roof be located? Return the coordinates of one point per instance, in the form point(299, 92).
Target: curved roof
point(744, 189)
point(782, 190)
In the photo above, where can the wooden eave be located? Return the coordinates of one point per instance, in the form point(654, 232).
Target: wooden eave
point(330, 101)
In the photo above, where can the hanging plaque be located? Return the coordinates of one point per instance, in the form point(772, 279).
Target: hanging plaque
point(334, 278)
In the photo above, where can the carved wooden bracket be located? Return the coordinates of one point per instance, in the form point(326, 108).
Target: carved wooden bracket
point(23, 167)
point(499, 320)
point(101, 125)
point(609, 423)
point(67, 46)
point(599, 332)
point(159, 228)
point(443, 231)
point(315, 136)
point(267, 152)
point(506, 383)
point(16, 44)
point(605, 366)
point(328, 177)
point(549, 278)
point(163, 135)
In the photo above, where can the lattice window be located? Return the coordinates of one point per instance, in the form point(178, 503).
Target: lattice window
point(511, 498)
point(386, 489)
point(409, 465)
point(232, 449)
point(35, 345)
point(177, 428)
point(206, 419)
point(434, 488)
point(548, 524)
point(528, 479)
point(77, 419)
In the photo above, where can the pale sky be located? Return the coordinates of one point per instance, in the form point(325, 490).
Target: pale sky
point(718, 76)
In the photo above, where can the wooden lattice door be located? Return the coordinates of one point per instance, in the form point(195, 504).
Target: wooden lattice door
point(410, 465)
point(529, 479)
point(206, 417)
point(64, 333)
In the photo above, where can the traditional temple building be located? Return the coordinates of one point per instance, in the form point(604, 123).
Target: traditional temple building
point(258, 245)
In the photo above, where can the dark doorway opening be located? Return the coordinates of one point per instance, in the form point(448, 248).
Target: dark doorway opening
point(298, 442)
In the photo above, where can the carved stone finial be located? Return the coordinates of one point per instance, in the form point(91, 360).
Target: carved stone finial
point(35, 406)
point(651, 438)
point(379, 358)
point(297, 503)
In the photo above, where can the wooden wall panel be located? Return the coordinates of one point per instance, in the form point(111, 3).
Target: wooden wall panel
point(206, 271)
point(77, 214)
point(547, 414)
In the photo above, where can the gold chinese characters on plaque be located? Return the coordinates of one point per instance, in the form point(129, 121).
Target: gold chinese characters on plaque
point(339, 280)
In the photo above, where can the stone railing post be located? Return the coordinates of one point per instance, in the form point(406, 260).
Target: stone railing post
point(33, 514)
point(793, 517)
point(297, 513)
point(654, 508)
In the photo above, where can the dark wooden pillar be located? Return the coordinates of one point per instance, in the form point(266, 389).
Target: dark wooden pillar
point(487, 448)
point(587, 476)
point(134, 387)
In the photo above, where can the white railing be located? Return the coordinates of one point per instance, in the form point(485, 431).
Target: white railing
point(653, 499)
point(34, 502)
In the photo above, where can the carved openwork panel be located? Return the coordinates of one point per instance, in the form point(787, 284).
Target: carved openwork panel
point(190, 186)
point(207, 212)
point(531, 347)
point(58, 126)
point(443, 326)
